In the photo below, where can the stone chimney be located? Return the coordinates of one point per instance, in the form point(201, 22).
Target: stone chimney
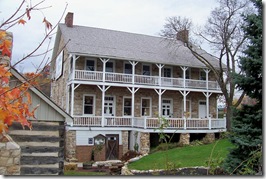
point(182, 36)
point(69, 19)
point(4, 59)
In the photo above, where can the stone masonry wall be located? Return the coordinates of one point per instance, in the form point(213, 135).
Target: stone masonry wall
point(124, 142)
point(144, 147)
point(70, 145)
point(9, 158)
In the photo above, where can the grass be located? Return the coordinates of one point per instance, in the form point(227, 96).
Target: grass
point(189, 156)
point(81, 173)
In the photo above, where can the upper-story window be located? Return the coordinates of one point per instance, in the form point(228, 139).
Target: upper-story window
point(127, 106)
point(127, 68)
point(90, 65)
point(88, 104)
point(188, 73)
point(202, 75)
point(146, 70)
point(109, 67)
point(145, 107)
point(167, 72)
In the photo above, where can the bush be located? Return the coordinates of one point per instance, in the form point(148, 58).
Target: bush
point(129, 155)
point(71, 167)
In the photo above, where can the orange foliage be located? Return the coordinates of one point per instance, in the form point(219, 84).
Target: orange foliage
point(5, 45)
point(15, 103)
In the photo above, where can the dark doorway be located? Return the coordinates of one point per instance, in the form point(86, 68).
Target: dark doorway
point(112, 146)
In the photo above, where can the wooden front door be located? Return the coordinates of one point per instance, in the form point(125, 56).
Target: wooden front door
point(112, 146)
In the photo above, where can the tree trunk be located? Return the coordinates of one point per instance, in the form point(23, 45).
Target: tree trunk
point(228, 117)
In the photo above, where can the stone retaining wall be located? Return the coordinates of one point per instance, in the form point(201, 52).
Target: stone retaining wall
point(10, 153)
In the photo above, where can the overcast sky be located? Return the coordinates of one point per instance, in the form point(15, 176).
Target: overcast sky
point(136, 16)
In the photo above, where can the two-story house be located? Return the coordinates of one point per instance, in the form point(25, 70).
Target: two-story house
point(118, 85)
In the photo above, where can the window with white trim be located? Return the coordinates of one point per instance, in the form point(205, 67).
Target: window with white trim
point(167, 72)
point(202, 75)
point(90, 65)
point(145, 107)
point(88, 105)
point(109, 109)
point(188, 73)
point(109, 67)
point(167, 108)
point(90, 141)
point(127, 107)
point(127, 68)
point(146, 70)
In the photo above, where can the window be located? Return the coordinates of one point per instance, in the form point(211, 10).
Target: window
point(127, 106)
point(188, 73)
point(109, 106)
point(146, 107)
point(90, 141)
point(110, 67)
point(128, 68)
point(88, 105)
point(167, 108)
point(167, 72)
point(146, 70)
point(202, 75)
point(90, 65)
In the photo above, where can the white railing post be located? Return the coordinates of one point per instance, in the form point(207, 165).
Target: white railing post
point(185, 123)
point(210, 122)
point(145, 122)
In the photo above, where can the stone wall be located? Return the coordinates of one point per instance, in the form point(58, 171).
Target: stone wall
point(184, 138)
point(9, 158)
point(58, 87)
point(144, 147)
point(70, 145)
point(124, 142)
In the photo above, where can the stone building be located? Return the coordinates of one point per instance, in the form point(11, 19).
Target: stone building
point(120, 85)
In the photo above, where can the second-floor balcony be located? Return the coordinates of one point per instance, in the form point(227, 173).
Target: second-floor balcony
point(143, 80)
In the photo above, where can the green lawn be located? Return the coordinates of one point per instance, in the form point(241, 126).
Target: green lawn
point(189, 156)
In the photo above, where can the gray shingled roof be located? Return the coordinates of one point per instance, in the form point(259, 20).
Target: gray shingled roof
point(90, 41)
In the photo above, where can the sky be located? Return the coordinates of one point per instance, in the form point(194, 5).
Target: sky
point(136, 16)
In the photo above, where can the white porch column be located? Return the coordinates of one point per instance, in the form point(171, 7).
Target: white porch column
point(184, 93)
point(133, 91)
point(207, 95)
point(103, 89)
point(184, 75)
point(74, 66)
point(133, 63)
point(104, 60)
point(160, 93)
point(72, 99)
point(67, 98)
point(160, 66)
point(73, 87)
point(70, 56)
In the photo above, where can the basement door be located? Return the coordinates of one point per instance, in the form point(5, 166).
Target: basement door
point(112, 146)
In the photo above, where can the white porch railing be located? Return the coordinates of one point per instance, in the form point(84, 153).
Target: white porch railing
point(143, 80)
point(150, 123)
